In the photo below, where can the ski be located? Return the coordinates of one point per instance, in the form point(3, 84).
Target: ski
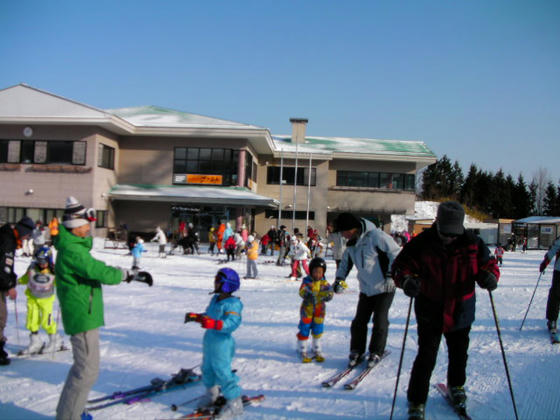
point(213, 411)
point(356, 381)
point(179, 380)
point(461, 411)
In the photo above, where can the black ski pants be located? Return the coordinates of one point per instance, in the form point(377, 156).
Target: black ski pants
point(429, 337)
point(553, 304)
point(378, 305)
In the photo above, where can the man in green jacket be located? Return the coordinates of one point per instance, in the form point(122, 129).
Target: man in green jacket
point(79, 277)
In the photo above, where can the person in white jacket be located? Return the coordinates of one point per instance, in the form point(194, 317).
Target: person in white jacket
point(372, 251)
point(162, 241)
point(553, 303)
point(299, 253)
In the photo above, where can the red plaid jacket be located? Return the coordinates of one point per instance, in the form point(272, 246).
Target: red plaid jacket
point(447, 274)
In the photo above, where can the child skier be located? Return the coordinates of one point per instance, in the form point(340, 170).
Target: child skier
point(252, 255)
point(230, 248)
point(499, 254)
point(299, 253)
point(222, 317)
point(315, 291)
point(39, 278)
point(137, 251)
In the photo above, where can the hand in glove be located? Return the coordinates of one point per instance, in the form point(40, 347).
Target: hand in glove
point(193, 317)
point(141, 276)
point(487, 280)
point(411, 286)
point(211, 324)
point(544, 264)
point(339, 285)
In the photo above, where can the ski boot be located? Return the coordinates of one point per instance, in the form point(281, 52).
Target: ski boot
point(4, 359)
point(317, 351)
point(458, 397)
point(54, 344)
point(231, 409)
point(210, 398)
point(302, 350)
point(416, 411)
point(551, 325)
point(373, 359)
point(355, 358)
point(35, 344)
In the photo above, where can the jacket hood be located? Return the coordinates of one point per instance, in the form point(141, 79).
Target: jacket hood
point(66, 238)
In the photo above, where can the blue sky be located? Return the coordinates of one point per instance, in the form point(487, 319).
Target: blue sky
point(476, 80)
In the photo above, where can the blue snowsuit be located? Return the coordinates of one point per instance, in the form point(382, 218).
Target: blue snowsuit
point(218, 346)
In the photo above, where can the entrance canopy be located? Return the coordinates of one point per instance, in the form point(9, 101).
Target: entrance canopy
point(226, 196)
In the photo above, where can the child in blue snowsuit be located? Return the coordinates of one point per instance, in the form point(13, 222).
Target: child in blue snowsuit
point(136, 252)
point(222, 317)
point(315, 290)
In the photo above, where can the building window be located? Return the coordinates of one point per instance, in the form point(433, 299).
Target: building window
point(288, 214)
point(391, 181)
point(273, 175)
point(106, 157)
point(42, 151)
point(193, 165)
point(101, 216)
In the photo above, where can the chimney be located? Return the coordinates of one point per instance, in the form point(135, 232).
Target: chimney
point(298, 130)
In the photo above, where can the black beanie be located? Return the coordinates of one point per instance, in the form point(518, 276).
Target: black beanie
point(346, 221)
point(25, 226)
point(450, 218)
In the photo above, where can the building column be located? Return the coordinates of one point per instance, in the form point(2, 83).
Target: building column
point(240, 183)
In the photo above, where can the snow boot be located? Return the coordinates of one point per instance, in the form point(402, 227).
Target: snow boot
point(317, 351)
point(302, 350)
point(35, 344)
point(4, 359)
point(54, 344)
point(551, 325)
point(209, 399)
point(354, 358)
point(416, 411)
point(458, 396)
point(231, 409)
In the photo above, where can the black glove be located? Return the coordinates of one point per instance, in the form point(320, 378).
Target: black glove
point(487, 280)
point(411, 286)
point(141, 276)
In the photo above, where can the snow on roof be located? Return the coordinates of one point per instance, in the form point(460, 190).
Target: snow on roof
point(358, 145)
point(154, 116)
point(539, 220)
point(190, 194)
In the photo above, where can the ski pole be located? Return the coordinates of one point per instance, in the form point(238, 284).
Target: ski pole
point(17, 321)
point(401, 358)
point(531, 301)
point(503, 353)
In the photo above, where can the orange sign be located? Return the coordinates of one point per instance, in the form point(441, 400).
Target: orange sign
point(204, 179)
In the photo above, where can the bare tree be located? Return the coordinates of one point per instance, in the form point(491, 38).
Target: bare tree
point(541, 180)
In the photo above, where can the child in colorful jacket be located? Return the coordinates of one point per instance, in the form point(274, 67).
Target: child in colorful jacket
point(252, 255)
point(40, 293)
point(499, 254)
point(221, 319)
point(230, 248)
point(315, 290)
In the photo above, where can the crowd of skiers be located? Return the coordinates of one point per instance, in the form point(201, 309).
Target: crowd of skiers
point(437, 269)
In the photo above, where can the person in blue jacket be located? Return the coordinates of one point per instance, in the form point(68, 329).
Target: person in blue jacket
point(222, 317)
point(137, 253)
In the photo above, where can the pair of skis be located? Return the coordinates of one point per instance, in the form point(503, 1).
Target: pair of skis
point(179, 380)
point(460, 410)
point(352, 384)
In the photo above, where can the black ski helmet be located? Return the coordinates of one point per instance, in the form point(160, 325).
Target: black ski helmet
point(318, 262)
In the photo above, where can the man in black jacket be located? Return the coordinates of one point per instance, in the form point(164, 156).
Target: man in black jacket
point(10, 239)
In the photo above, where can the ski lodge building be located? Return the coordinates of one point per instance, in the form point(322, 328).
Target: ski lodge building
point(150, 166)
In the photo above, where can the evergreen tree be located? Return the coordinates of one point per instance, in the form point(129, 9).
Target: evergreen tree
point(533, 198)
point(522, 205)
point(468, 189)
point(550, 200)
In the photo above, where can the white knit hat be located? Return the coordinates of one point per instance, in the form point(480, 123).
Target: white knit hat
point(76, 215)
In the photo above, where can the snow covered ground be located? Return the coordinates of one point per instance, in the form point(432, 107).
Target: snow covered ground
point(145, 337)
